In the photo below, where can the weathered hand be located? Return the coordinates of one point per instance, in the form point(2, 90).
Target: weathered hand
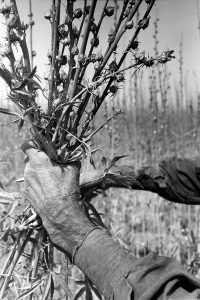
point(53, 191)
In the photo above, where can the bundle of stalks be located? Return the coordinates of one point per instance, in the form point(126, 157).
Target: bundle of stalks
point(63, 131)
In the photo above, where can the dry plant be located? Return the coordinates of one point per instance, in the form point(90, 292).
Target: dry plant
point(63, 130)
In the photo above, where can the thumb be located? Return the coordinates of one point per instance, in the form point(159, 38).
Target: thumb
point(33, 154)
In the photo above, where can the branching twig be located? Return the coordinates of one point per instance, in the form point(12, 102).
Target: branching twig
point(125, 53)
point(54, 66)
point(83, 46)
point(92, 46)
point(105, 60)
point(31, 23)
point(22, 41)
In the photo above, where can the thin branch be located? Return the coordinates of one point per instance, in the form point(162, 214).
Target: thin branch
point(23, 44)
point(83, 20)
point(83, 46)
point(91, 86)
point(124, 56)
point(11, 56)
point(71, 37)
point(118, 36)
point(121, 18)
point(31, 33)
point(92, 46)
point(53, 79)
point(105, 60)
point(100, 127)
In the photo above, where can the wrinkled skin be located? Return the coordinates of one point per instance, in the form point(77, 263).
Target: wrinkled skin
point(53, 191)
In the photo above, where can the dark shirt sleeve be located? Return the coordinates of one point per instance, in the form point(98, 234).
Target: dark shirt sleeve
point(175, 179)
point(120, 276)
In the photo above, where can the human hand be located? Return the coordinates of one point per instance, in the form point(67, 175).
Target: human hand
point(53, 191)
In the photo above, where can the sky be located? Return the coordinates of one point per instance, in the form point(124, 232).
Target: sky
point(177, 21)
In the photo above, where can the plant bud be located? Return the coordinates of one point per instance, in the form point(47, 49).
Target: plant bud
point(109, 11)
point(93, 58)
point(134, 45)
point(97, 65)
point(113, 89)
point(87, 9)
point(129, 25)
point(77, 13)
point(113, 66)
point(93, 28)
point(82, 59)
point(47, 16)
point(99, 56)
point(144, 23)
point(149, 62)
point(120, 77)
point(95, 41)
point(75, 32)
point(62, 59)
point(92, 86)
point(32, 23)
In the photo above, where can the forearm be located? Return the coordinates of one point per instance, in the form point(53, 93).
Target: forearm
point(118, 275)
point(67, 224)
point(105, 263)
point(177, 180)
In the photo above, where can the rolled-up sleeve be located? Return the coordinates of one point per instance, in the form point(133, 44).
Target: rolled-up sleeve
point(175, 179)
point(120, 276)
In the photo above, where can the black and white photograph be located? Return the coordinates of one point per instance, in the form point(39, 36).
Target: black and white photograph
point(99, 149)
